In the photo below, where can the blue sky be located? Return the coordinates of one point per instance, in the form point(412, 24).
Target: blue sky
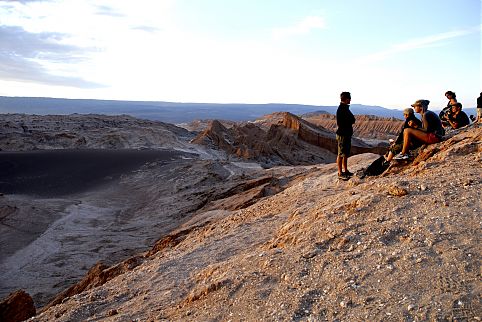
point(385, 52)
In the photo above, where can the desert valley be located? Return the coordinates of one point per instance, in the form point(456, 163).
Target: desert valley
point(116, 218)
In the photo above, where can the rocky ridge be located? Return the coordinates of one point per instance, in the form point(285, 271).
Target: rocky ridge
point(279, 139)
point(403, 246)
point(21, 132)
point(366, 126)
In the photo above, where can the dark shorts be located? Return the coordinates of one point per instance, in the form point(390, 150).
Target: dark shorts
point(344, 145)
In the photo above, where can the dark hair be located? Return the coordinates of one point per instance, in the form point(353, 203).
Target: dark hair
point(450, 93)
point(458, 105)
point(345, 95)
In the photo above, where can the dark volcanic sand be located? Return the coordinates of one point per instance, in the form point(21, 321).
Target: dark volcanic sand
point(49, 173)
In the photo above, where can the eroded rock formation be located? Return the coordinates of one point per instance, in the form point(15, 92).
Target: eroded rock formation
point(20, 132)
point(366, 126)
point(278, 139)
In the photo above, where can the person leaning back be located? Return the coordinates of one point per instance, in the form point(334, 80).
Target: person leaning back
point(344, 121)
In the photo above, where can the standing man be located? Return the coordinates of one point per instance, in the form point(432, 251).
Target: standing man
point(345, 121)
point(479, 108)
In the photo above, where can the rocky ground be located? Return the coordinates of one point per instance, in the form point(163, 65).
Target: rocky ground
point(242, 243)
point(404, 246)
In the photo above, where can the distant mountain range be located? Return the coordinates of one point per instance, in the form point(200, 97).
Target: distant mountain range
point(172, 112)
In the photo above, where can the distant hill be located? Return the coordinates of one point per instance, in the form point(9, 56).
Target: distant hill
point(177, 112)
point(171, 112)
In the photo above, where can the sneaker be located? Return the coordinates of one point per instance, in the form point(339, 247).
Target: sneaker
point(341, 175)
point(402, 156)
point(348, 174)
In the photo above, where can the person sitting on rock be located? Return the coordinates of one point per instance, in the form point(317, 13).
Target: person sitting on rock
point(458, 118)
point(445, 113)
point(431, 131)
point(411, 121)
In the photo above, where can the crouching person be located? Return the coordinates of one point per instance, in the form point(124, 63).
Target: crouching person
point(458, 118)
point(431, 131)
point(410, 122)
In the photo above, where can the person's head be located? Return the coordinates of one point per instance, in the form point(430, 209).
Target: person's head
point(457, 107)
point(450, 94)
point(420, 105)
point(408, 112)
point(345, 97)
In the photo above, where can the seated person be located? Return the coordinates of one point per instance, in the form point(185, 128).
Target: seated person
point(445, 113)
point(410, 121)
point(431, 131)
point(458, 118)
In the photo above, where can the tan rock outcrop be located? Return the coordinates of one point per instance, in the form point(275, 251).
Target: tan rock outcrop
point(279, 139)
point(278, 145)
point(18, 306)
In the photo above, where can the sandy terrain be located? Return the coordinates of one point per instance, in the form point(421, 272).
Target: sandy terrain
point(207, 239)
point(401, 247)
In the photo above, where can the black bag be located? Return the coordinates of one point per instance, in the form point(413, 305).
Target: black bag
point(377, 167)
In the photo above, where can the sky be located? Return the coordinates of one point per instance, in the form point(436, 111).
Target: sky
point(385, 52)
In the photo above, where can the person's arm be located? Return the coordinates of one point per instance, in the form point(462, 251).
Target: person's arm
point(424, 127)
point(453, 123)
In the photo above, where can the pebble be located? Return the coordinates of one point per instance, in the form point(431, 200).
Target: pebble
point(112, 312)
point(423, 187)
point(410, 307)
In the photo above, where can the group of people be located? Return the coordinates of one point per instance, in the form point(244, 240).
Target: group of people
point(452, 116)
point(415, 133)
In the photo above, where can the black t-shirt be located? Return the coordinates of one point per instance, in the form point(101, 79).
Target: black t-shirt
point(344, 120)
point(461, 119)
point(432, 123)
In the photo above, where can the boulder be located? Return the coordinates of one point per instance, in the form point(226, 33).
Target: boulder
point(18, 306)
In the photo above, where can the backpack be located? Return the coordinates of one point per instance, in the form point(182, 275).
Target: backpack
point(377, 167)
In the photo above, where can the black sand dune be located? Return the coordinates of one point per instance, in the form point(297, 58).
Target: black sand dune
point(51, 173)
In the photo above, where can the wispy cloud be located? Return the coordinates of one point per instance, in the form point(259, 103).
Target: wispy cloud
point(147, 29)
point(23, 55)
point(108, 11)
point(303, 27)
point(418, 43)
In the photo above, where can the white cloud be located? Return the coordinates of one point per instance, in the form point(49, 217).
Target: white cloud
point(305, 26)
point(417, 43)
